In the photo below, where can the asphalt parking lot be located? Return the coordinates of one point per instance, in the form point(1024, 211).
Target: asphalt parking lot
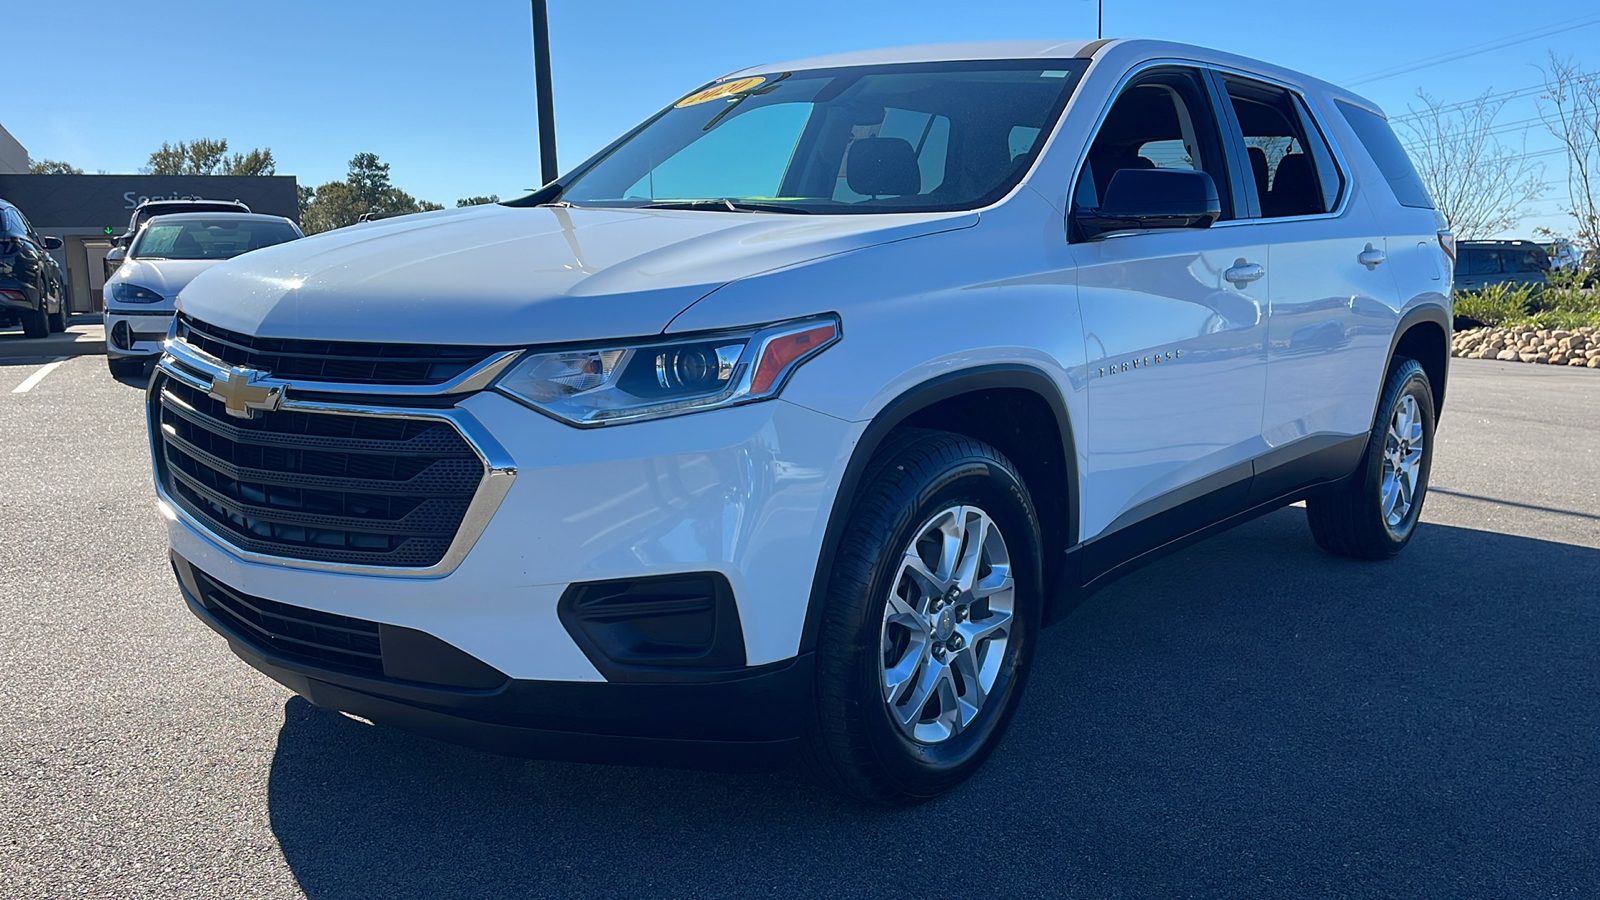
point(1249, 717)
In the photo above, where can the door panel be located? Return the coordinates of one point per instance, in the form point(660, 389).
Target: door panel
point(1330, 323)
point(1332, 306)
point(1176, 367)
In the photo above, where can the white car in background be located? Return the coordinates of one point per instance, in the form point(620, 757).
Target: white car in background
point(166, 254)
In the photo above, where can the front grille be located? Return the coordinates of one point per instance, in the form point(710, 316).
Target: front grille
point(332, 488)
point(351, 362)
point(322, 639)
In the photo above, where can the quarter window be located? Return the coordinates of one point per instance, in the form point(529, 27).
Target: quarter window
point(1292, 170)
point(1384, 148)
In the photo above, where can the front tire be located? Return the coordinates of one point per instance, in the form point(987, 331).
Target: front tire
point(58, 320)
point(931, 611)
point(1374, 513)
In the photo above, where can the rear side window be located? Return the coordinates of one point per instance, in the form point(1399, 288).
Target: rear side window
point(1293, 172)
point(1384, 148)
point(1478, 262)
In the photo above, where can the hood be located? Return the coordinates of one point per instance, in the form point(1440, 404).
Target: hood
point(500, 275)
point(164, 276)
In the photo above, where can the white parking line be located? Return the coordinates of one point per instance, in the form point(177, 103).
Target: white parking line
point(38, 375)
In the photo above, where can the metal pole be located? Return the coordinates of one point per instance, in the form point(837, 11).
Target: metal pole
point(1100, 19)
point(541, 80)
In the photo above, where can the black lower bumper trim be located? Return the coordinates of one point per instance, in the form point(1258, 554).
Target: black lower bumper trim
point(750, 722)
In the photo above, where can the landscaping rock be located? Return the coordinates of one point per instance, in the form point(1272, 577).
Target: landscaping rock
point(1548, 346)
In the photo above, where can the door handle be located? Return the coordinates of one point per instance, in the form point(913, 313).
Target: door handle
point(1370, 257)
point(1242, 273)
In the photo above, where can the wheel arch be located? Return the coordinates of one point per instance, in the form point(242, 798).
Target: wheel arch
point(1424, 335)
point(978, 402)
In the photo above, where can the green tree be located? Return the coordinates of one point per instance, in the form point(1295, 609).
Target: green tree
point(365, 189)
point(369, 179)
point(477, 201)
point(333, 205)
point(53, 167)
point(208, 156)
point(256, 162)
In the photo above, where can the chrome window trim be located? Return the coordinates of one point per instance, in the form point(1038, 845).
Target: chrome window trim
point(1311, 109)
point(474, 379)
point(499, 470)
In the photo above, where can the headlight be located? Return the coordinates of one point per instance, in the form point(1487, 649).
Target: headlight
point(122, 292)
point(648, 380)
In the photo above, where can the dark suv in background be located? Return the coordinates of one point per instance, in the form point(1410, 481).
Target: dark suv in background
point(1480, 264)
point(33, 292)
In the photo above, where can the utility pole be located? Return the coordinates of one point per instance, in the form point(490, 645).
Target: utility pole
point(541, 80)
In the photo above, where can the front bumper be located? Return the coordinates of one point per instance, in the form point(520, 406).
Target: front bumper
point(136, 333)
point(744, 492)
point(746, 720)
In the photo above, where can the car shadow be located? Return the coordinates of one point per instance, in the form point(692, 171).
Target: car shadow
point(1249, 717)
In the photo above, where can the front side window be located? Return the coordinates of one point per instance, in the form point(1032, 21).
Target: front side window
point(893, 138)
point(1161, 121)
point(1292, 170)
point(207, 239)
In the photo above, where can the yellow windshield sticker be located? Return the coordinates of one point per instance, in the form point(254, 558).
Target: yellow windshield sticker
point(718, 91)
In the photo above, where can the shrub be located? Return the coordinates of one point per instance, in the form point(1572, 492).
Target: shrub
point(1556, 318)
point(1564, 292)
point(1497, 304)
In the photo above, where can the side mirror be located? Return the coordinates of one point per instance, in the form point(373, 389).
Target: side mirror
point(1154, 198)
point(51, 243)
point(113, 260)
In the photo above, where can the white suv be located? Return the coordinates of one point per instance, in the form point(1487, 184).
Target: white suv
point(787, 420)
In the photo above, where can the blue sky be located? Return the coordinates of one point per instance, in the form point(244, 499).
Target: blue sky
point(444, 91)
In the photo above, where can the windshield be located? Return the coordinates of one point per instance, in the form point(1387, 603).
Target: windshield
point(197, 239)
point(894, 138)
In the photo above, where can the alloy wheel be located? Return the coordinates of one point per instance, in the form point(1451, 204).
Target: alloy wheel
point(946, 624)
point(1402, 464)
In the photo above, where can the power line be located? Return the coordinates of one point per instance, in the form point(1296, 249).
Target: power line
point(1512, 94)
point(1497, 44)
point(1493, 131)
point(1506, 95)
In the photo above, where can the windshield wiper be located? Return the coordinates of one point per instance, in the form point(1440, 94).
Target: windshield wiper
point(725, 203)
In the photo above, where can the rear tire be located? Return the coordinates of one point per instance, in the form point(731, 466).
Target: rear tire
point(35, 323)
point(1374, 513)
point(920, 667)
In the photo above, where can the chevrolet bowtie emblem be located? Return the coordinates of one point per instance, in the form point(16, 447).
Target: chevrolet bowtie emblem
point(242, 394)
